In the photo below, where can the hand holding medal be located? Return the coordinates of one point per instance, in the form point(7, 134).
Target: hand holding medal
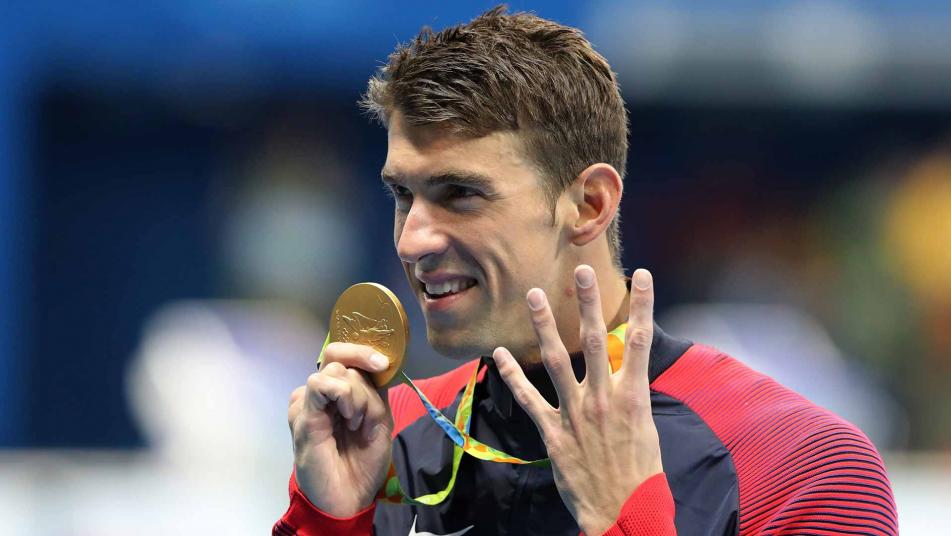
point(341, 421)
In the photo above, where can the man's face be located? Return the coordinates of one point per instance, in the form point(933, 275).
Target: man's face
point(474, 231)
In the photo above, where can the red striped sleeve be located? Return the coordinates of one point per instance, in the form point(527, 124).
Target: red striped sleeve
point(801, 469)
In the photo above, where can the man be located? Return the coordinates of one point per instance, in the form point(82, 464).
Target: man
point(507, 142)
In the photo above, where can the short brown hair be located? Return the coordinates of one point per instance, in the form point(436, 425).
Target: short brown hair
point(513, 72)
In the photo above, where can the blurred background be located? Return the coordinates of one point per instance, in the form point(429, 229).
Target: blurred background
point(186, 186)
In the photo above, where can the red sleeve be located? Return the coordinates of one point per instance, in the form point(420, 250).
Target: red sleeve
point(844, 500)
point(649, 511)
point(304, 519)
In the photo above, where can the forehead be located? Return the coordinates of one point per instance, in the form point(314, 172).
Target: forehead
point(427, 151)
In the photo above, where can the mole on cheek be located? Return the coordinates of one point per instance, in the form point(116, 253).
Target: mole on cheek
point(569, 292)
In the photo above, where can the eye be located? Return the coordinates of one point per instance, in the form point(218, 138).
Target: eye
point(400, 194)
point(397, 191)
point(461, 192)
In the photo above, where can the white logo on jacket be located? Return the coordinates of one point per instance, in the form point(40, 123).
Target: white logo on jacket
point(412, 531)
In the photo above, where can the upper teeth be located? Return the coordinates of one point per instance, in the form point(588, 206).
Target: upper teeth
point(454, 285)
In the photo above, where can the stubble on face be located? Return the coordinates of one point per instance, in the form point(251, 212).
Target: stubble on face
point(506, 241)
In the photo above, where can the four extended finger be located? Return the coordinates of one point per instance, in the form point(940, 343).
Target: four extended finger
point(594, 334)
point(553, 352)
point(640, 329)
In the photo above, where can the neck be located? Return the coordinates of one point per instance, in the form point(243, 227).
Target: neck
point(614, 305)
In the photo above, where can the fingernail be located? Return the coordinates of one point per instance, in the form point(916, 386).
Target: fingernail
point(642, 279)
point(584, 276)
point(498, 354)
point(536, 299)
point(375, 431)
point(379, 362)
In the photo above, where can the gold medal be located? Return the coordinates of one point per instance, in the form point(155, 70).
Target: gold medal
point(371, 315)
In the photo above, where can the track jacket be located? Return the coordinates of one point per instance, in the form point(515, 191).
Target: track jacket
point(741, 454)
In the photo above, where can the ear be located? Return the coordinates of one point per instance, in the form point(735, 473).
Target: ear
point(596, 195)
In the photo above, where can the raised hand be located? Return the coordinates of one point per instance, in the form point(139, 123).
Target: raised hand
point(341, 425)
point(601, 439)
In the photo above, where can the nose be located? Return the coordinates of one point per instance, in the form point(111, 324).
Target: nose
point(420, 235)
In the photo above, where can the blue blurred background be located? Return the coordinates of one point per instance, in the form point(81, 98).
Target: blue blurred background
point(185, 188)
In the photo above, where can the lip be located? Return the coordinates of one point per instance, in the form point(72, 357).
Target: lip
point(440, 277)
point(446, 302)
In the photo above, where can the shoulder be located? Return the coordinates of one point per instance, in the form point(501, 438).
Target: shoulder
point(441, 390)
point(799, 466)
point(740, 404)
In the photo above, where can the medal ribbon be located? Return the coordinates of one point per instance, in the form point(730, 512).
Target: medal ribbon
point(458, 431)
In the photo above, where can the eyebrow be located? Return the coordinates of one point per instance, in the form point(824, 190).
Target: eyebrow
point(453, 176)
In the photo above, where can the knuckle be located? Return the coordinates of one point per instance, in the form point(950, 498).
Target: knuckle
point(313, 382)
point(555, 364)
point(639, 338)
point(334, 368)
point(510, 374)
point(554, 445)
point(638, 402)
point(508, 367)
point(542, 320)
point(327, 385)
point(588, 296)
point(353, 376)
point(521, 396)
point(593, 340)
point(505, 368)
point(597, 409)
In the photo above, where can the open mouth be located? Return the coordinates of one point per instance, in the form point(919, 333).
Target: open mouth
point(435, 291)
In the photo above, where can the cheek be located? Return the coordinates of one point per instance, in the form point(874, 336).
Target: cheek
point(531, 261)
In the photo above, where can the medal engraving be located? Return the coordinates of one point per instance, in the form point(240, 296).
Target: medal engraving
point(371, 315)
point(361, 329)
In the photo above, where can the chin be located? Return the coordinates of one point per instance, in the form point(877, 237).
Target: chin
point(453, 347)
